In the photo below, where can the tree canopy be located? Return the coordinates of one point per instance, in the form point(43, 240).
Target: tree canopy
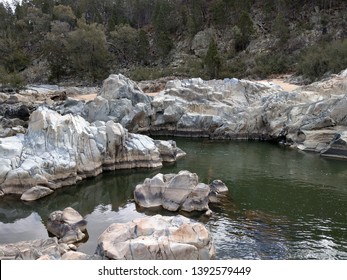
point(86, 39)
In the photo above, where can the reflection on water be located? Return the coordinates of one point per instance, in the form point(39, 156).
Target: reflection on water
point(282, 204)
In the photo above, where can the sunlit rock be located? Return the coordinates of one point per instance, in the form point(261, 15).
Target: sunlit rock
point(156, 238)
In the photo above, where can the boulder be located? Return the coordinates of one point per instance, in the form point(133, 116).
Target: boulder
point(120, 100)
point(35, 193)
point(119, 86)
point(175, 192)
point(156, 238)
point(68, 225)
point(217, 189)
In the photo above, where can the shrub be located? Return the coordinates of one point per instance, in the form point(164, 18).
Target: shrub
point(270, 63)
point(322, 58)
point(12, 80)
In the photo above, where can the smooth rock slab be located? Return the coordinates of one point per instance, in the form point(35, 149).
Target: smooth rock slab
point(35, 193)
point(156, 238)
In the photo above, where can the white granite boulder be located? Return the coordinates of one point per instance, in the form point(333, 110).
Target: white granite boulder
point(156, 238)
point(176, 192)
point(68, 225)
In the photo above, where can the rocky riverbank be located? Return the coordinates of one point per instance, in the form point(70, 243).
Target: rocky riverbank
point(310, 118)
point(68, 139)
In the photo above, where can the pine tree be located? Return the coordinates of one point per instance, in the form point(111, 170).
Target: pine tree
point(143, 48)
point(246, 29)
point(212, 60)
point(163, 40)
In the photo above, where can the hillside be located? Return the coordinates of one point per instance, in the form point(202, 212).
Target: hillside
point(81, 42)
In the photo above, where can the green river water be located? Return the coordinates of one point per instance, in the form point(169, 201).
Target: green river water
point(282, 203)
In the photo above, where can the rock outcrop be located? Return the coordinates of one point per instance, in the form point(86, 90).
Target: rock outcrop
point(121, 100)
point(180, 191)
point(60, 150)
point(311, 118)
point(156, 238)
point(227, 109)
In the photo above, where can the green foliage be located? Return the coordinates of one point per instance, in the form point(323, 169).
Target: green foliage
point(65, 14)
point(12, 80)
point(141, 73)
point(124, 43)
point(235, 68)
point(271, 63)
point(322, 58)
point(143, 48)
point(218, 13)
point(163, 41)
point(87, 50)
point(128, 33)
point(244, 32)
point(55, 50)
point(195, 16)
point(212, 60)
point(12, 56)
point(281, 29)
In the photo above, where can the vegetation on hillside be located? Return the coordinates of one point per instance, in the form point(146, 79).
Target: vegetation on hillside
point(85, 40)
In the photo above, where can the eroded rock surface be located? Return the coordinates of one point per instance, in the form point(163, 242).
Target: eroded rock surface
point(33, 250)
point(60, 150)
point(180, 191)
point(227, 109)
point(67, 225)
point(156, 238)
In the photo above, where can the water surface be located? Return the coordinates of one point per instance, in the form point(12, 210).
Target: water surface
point(282, 203)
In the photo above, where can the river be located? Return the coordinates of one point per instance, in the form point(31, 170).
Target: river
point(282, 203)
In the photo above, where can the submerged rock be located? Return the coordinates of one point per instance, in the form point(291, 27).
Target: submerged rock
point(180, 191)
point(156, 238)
point(35, 193)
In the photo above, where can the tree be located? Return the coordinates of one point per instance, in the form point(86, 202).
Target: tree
point(12, 56)
point(55, 50)
point(196, 16)
point(244, 32)
point(212, 60)
point(124, 43)
point(143, 48)
point(64, 14)
point(88, 52)
point(281, 29)
point(218, 13)
point(163, 41)
point(6, 20)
